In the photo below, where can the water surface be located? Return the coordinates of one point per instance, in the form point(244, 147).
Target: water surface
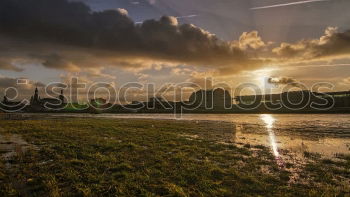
point(327, 134)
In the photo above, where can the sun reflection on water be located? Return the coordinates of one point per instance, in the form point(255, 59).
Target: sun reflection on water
point(269, 120)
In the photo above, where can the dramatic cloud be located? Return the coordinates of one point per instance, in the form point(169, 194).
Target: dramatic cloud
point(332, 45)
point(68, 35)
point(283, 81)
point(250, 40)
point(123, 11)
point(177, 17)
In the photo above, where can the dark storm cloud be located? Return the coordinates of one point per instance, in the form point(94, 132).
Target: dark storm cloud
point(63, 22)
point(50, 26)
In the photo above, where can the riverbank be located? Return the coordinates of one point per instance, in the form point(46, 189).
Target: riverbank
point(137, 157)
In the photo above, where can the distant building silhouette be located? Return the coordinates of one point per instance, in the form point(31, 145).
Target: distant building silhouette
point(5, 100)
point(61, 97)
point(35, 99)
point(8, 105)
point(38, 103)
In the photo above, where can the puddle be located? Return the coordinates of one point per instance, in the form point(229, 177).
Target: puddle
point(298, 144)
point(288, 147)
point(328, 147)
point(13, 145)
point(189, 137)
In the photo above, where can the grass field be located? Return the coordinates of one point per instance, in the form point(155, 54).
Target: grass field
point(104, 157)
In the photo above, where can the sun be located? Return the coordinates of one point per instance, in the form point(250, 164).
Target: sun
point(261, 77)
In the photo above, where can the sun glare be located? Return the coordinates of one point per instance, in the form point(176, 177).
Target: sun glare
point(262, 75)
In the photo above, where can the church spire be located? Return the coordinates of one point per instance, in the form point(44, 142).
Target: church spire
point(36, 96)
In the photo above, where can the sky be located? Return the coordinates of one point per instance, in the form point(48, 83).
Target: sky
point(265, 42)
